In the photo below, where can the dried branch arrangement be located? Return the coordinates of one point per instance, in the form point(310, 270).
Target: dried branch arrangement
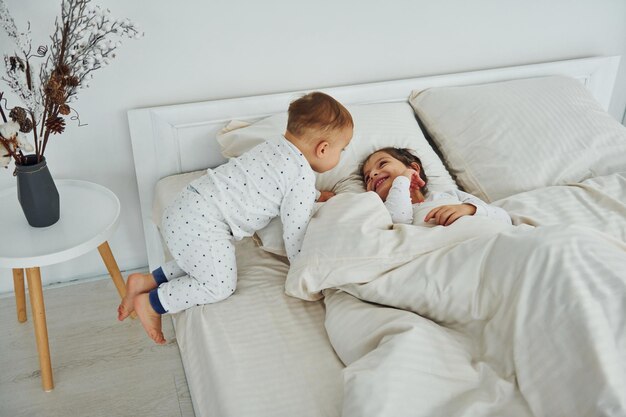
point(84, 40)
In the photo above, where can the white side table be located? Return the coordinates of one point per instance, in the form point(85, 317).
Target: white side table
point(89, 215)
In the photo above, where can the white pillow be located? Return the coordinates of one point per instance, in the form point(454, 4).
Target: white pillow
point(504, 138)
point(375, 126)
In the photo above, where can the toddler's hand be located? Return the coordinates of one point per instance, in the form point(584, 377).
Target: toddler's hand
point(325, 196)
point(446, 215)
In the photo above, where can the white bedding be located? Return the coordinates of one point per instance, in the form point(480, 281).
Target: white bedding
point(599, 203)
point(300, 373)
point(515, 321)
point(260, 352)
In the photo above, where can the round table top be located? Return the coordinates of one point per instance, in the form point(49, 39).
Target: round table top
point(89, 214)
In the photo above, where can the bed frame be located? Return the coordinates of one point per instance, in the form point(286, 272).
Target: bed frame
point(170, 140)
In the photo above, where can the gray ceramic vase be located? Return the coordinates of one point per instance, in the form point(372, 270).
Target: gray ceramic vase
point(37, 193)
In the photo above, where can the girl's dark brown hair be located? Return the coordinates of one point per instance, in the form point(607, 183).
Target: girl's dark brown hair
point(405, 156)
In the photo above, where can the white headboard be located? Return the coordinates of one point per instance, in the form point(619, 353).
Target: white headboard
point(170, 140)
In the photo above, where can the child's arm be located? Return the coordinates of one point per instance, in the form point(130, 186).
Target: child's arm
point(324, 196)
point(471, 206)
point(484, 209)
point(399, 200)
point(448, 214)
point(295, 212)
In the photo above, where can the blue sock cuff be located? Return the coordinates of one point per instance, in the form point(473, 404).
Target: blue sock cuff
point(155, 302)
point(159, 276)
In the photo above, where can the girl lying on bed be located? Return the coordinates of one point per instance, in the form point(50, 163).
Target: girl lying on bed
point(397, 176)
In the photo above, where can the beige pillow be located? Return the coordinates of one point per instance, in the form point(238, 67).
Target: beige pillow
point(504, 138)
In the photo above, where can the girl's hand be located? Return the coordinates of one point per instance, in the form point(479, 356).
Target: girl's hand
point(325, 196)
point(446, 215)
point(414, 177)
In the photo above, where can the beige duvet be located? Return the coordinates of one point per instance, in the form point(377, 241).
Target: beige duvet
point(475, 319)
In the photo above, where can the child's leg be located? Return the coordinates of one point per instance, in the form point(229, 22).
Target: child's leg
point(216, 278)
point(167, 272)
point(202, 245)
point(150, 320)
point(212, 277)
point(141, 283)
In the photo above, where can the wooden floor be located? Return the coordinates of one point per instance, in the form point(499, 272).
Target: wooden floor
point(101, 367)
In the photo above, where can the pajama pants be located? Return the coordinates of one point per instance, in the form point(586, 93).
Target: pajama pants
point(204, 268)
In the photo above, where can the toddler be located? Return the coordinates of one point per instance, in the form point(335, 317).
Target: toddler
point(233, 201)
point(398, 177)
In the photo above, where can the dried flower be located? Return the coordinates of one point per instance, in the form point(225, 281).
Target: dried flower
point(18, 114)
point(12, 143)
point(64, 109)
point(84, 40)
point(26, 126)
point(54, 90)
point(55, 124)
point(9, 130)
point(17, 64)
point(72, 81)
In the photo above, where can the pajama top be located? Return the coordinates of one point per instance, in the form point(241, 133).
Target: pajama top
point(270, 180)
point(402, 210)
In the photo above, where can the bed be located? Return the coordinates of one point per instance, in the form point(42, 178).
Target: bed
point(263, 352)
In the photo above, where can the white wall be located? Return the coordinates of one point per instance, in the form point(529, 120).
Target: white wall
point(198, 50)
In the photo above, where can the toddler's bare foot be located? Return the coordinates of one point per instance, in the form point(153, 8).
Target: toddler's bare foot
point(135, 285)
point(150, 319)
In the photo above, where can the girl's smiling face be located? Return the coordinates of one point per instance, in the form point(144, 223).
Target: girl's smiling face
point(379, 171)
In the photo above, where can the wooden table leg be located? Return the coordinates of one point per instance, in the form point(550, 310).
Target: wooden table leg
point(35, 291)
point(20, 294)
point(114, 270)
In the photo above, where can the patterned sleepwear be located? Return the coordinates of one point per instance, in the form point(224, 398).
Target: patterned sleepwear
point(230, 202)
point(402, 210)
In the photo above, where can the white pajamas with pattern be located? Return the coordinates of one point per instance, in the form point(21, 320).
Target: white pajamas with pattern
point(230, 202)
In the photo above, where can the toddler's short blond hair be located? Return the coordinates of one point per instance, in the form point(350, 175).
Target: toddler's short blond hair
point(319, 111)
